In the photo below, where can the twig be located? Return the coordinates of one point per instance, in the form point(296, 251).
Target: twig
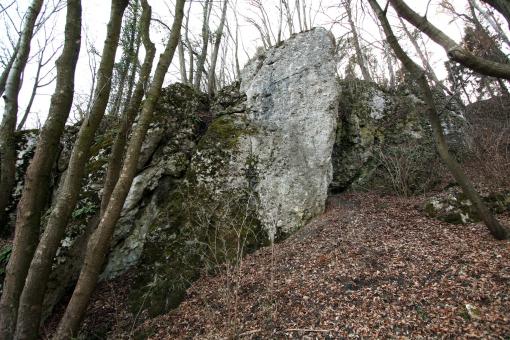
point(253, 331)
point(308, 330)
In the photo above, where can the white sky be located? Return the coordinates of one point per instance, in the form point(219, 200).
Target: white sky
point(96, 14)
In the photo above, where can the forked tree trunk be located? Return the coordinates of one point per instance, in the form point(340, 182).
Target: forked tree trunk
point(496, 229)
point(100, 241)
point(15, 274)
point(70, 185)
point(8, 125)
point(37, 178)
point(31, 301)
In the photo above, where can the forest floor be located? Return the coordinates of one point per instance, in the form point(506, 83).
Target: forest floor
point(370, 266)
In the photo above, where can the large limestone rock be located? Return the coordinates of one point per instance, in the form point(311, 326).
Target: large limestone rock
point(261, 170)
point(292, 97)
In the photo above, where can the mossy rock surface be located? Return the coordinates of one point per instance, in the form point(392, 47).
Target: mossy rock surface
point(454, 206)
point(384, 141)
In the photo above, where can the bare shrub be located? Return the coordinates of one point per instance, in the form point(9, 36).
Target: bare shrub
point(406, 169)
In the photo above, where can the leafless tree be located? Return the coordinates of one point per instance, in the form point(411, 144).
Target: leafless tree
point(8, 125)
point(100, 241)
point(497, 230)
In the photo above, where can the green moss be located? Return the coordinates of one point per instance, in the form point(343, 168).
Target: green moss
point(222, 131)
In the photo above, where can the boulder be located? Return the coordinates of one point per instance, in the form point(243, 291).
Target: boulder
point(454, 207)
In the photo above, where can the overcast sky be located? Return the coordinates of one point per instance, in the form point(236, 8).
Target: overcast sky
point(96, 13)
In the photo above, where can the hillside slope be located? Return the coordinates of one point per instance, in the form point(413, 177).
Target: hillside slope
point(370, 266)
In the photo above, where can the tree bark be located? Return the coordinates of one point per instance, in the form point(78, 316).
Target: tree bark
point(5, 72)
point(454, 50)
point(496, 229)
point(360, 56)
point(70, 185)
point(8, 125)
point(100, 241)
point(129, 114)
point(205, 44)
point(211, 83)
point(34, 90)
point(126, 59)
point(190, 48)
point(12, 286)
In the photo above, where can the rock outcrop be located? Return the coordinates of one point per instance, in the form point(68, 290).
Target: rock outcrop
point(292, 98)
point(220, 177)
point(261, 170)
point(384, 141)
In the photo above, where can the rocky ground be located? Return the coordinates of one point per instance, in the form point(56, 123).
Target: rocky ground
point(371, 266)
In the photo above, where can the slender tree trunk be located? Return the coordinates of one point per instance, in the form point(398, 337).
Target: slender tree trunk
point(360, 56)
point(12, 286)
point(190, 48)
point(288, 16)
point(211, 84)
point(182, 62)
point(298, 11)
point(134, 68)
point(205, 44)
point(126, 61)
point(38, 174)
point(496, 229)
point(100, 241)
point(34, 91)
point(5, 72)
point(8, 125)
point(70, 185)
point(116, 157)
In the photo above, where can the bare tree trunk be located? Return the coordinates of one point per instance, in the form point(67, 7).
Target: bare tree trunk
point(70, 185)
point(496, 229)
point(182, 62)
point(100, 241)
point(211, 84)
point(190, 48)
point(5, 72)
point(134, 68)
point(360, 56)
point(38, 174)
point(205, 44)
point(31, 100)
point(454, 50)
point(298, 11)
point(305, 26)
point(8, 125)
point(115, 160)
point(40, 63)
point(37, 177)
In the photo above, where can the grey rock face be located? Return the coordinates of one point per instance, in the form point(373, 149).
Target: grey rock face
point(292, 97)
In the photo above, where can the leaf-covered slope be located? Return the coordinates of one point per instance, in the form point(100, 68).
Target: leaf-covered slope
point(370, 266)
